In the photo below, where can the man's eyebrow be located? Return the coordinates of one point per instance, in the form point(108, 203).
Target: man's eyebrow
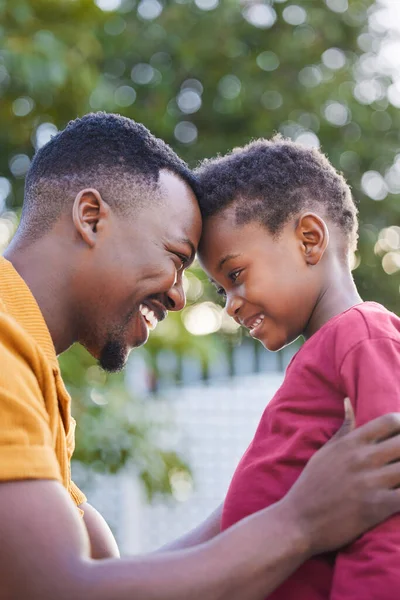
point(224, 259)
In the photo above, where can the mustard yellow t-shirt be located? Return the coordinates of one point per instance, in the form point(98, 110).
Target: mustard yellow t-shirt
point(37, 432)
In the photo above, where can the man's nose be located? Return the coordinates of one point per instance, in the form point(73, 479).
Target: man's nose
point(232, 306)
point(176, 297)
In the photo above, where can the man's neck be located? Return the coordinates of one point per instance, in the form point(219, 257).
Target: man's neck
point(45, 272)
point(338, 294)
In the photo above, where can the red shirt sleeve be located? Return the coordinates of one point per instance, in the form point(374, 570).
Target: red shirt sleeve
point(370, 567)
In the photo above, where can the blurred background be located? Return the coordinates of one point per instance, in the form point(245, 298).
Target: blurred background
point(157, 445)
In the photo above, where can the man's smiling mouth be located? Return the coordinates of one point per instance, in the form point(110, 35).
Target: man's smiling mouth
point(152, 316)
point(149, 317)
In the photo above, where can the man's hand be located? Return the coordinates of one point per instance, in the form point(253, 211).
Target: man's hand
point(348, 486)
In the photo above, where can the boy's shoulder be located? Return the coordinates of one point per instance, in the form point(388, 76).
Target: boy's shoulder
point(367, 320)
point(360, 323)
point(342, 333)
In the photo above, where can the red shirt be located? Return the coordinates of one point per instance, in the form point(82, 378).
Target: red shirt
point(355, 354)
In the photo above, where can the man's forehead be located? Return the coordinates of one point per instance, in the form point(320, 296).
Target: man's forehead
point(178, 211)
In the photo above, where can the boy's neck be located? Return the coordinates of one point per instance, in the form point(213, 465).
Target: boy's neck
point(338, 294)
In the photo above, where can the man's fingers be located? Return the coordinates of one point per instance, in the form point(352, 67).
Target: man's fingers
point(379, 429)
point(391, 500)
point(388, 476)
point(387, 451)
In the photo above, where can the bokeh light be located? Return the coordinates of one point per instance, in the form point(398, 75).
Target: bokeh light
point(206, 4)
point(181, 484)
point(294, 14)
point(125, 95)
point(310, 76)
point(189, 101)
point(5, 191)
point(272, 100)
point(19, 165)
point(391, 262)
point(44, 133)
point(115, 26)
point(108, 5)
point(229, 87)
point(334, 59)
point(308, 138)
point(260, 15)
point(23, 106)
point(186, 132)
point(203, 318)
point(339, 6)
point(374, 185)
point(149, 9)
point(268, 60)
point(336, 113)
point(142, 73)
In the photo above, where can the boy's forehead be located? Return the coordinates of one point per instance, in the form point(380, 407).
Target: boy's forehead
point(223, 238)
point(216, 231)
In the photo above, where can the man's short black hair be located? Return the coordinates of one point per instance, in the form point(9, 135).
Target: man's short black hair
point(114, 154)
point(270, 181)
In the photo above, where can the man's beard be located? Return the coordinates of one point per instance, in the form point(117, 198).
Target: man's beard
point(113, 356)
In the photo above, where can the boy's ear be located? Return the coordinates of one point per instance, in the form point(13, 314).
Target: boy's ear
point(313, 236)
point(89, 211)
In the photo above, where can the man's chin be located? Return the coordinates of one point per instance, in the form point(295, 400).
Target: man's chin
point(113, 357)
point(114, 354)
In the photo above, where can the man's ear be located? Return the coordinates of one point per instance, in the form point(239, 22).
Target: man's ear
point(88, 212)
point(313, 236)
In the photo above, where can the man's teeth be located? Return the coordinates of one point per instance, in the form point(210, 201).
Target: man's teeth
point(149, 316)
point(257, 322)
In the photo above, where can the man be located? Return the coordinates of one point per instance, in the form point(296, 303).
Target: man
point(110, 222)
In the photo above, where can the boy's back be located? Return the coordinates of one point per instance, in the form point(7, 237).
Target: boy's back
point(355, 354)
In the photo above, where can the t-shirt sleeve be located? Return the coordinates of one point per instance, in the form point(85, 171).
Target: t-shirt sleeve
point(76, 494)
point(26, 443)
point(370, 567)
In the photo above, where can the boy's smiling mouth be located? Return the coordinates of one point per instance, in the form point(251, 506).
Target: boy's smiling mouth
point(254, 323)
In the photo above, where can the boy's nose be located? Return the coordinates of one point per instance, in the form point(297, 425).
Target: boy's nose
point(232, 306)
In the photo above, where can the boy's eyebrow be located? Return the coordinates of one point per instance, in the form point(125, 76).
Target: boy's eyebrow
point(224, 259)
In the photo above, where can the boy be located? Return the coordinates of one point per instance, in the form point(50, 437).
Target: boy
point(279, 228)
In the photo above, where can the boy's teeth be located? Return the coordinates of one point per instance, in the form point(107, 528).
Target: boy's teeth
point(257, 322)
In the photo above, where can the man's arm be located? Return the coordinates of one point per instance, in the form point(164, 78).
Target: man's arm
point(45, 549)
point(104, 545)
point(204, 532)
point(102, 541)
point(48, 555)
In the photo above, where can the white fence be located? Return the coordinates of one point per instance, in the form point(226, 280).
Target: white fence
point(213, 425)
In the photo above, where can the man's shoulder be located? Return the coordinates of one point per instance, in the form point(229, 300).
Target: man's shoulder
point(15, 340)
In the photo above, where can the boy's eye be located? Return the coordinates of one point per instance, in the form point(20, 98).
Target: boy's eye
point(234, 275)
point(221, 292)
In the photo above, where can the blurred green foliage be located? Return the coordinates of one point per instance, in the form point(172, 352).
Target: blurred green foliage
point(205, 76)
